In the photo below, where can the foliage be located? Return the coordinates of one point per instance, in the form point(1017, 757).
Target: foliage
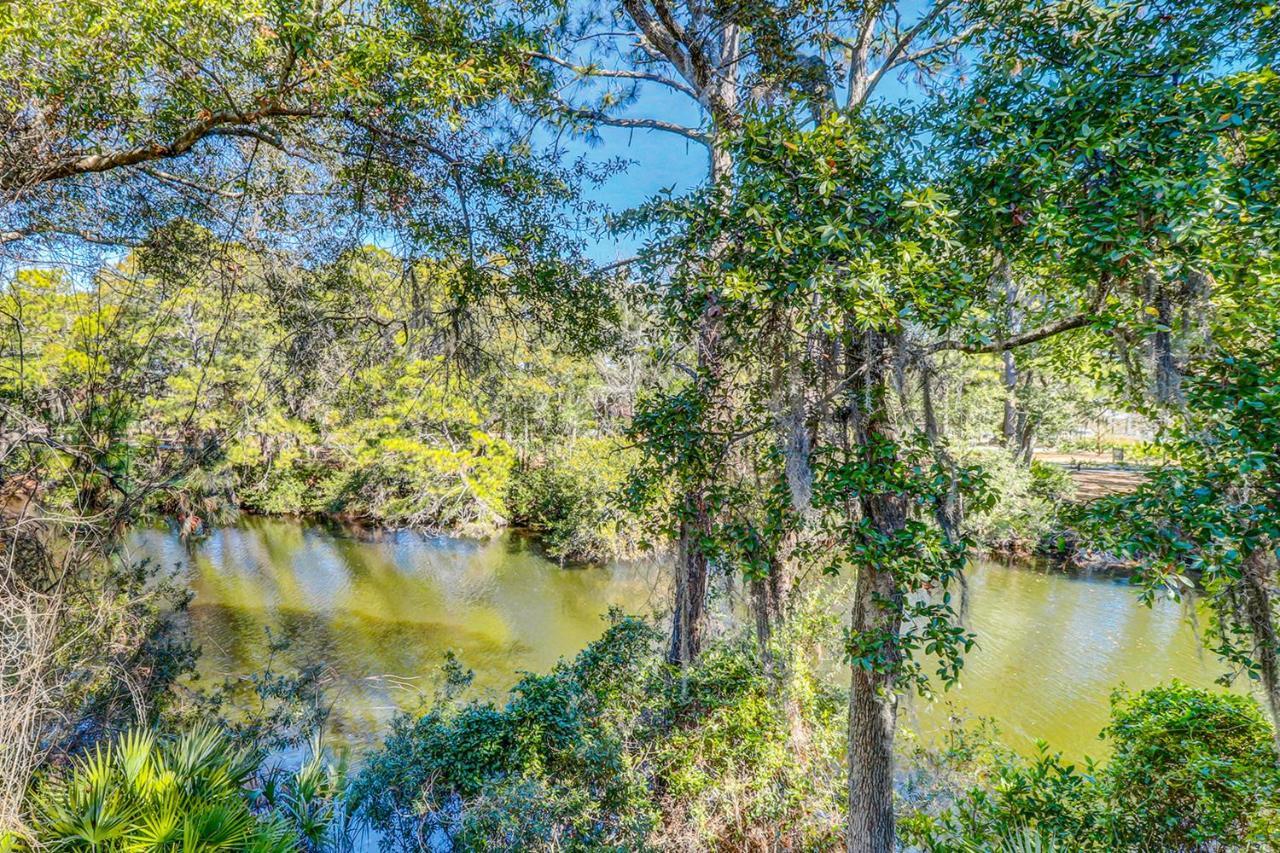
point(613, 750)
point(1189, 769)
point(397, 437)
point(195, 790)
point(1025, 510)
point(1130, 450)
point(569, 497)
point(195, 110)
point(1102, 166)
point(828, 239)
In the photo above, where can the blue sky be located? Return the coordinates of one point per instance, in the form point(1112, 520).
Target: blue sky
point(660, 160)
point(657, 160)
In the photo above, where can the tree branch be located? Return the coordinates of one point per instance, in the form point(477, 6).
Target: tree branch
point(77, 233)
point(223, 122)
point(592, 71)
point(600, 117)
point(892, 58)
point(925, 52)
point(1075, 321)
point(1067, 324)
point(169, 178)
point(662, 38)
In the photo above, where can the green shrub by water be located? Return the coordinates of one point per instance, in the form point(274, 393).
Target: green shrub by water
point(615, 750)
point(569, 497)
point(1190, 770)
point(1027, 500)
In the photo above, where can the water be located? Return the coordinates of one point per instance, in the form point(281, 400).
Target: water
point(380, 608)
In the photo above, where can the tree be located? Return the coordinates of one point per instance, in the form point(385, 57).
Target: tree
point(848, 257)
point(730, 63)
point(1212, 510)
point(238, 152)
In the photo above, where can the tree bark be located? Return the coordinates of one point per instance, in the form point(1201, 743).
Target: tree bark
point(770, 604)
point(872, 725)
point(1024, 434)
point(771, 595)
point(689, 619)
point(1168, 378)
point(876, 615)
point(1009, 426)
point(1259, 571)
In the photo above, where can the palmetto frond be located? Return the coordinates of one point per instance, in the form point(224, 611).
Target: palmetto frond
point(220, 827)
point(145, 793)
point(134, 751)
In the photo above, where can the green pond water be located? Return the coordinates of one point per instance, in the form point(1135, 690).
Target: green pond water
point(379, 609)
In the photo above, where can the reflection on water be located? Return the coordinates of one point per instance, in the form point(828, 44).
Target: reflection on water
point(379, 609)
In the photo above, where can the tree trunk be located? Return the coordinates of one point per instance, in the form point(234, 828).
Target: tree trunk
point(770, 603)
point(1167, 381)
point(1259, 570)
point(769, 610)
point(876, 617)
point(872, 724)
point(1009, 427)
point(1025, 430)
point(689, 619)
point(1009, 373)
point(771, 595)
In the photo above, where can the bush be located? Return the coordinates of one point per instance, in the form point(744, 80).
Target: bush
point(195, 791)
point(1050, 482)
point(569, 496)
point(470, 770)
point(614, 750)
point(1026, 505)
point(1190, 767)
point(1191, 770)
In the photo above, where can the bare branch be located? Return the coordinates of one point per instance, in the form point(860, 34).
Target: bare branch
point(170, 178)
point(600, 117)
point(78, 233)
point(661, 38)
point(894, 57)
point(954, 41)
point(592, 71)
point(1075, 321)
point(625, 262)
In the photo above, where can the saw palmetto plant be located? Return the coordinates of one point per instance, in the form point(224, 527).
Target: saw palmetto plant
point(196, 791)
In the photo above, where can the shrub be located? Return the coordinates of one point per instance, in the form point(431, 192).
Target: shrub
point(614, 750)
point(1190, 767)
point(568, 497)
point(194, 791)
point(1191, 770)
point(469, 770)
point(1024, 512)
point(1050, 482)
